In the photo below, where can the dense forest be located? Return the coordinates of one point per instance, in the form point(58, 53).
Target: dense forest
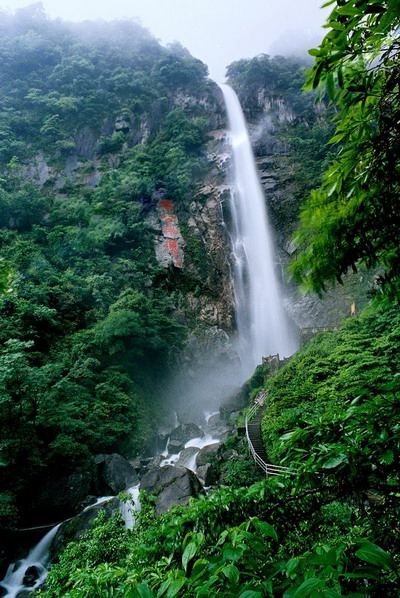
point(94, 133)
point(86, 327)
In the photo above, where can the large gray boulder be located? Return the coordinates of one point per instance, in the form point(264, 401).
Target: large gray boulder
point(186, 432)
point(171, 486)
point(207, 474)
point(186, 456)
point(114, 474)
point(207, 453)
point(175, 446)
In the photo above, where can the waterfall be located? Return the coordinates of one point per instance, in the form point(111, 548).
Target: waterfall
point(36, 562)
point(263, 327)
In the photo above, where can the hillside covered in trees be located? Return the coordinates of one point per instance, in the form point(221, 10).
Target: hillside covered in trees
point(94, 133)
point(89, 322)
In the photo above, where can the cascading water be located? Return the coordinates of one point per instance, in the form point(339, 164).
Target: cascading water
point(263, 327)
point(38, 559)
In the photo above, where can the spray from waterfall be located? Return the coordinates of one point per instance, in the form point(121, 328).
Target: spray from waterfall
point(262, 323)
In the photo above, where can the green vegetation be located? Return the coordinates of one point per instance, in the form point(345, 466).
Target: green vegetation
point(276, 78)
point(353, 217)
point(328, 530)
point(86, 334)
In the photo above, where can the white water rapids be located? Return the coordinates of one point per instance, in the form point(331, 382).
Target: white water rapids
point(263, 327)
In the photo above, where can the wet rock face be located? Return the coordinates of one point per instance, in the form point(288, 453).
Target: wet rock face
point(172, 486)
point(113, 475)
point(31, 575)
point(206, 453)
point(186, 432)
point(186, 456)
point(207, 474)
point(175, 447)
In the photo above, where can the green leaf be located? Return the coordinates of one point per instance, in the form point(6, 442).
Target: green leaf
point(348, 11)
point(371, 553)
point(308, 586)
point(250, 594)
point(232, 573)
point(164, 586)
point(188, 554)
point(387, 457)
point(175, 586)
point(335, 461)
point(232, 554)
point(266, 529)
point(145, 591)
point(330, 85)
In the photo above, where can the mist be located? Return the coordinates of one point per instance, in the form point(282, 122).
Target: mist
point(216, 31)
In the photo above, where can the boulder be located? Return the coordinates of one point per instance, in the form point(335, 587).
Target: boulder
point(206, 453)
point(172, 486)
point(175, 446)
point(216, 421)
point(114, 474)
point(73, 528)
point(207, 474)
point(186, 456)
point(32, 574)
point(86, 502)
point(186, 432)
point(236, 402)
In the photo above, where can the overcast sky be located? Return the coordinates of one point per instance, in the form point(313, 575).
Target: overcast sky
point(216, 31)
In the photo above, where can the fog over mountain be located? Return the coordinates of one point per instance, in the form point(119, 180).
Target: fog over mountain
point(216, 31)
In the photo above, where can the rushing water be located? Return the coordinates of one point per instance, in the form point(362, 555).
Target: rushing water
point(263, 327)
point(38, 558)
point(128, 508)
point(15, 580)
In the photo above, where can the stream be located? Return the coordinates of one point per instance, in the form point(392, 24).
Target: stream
point(29, 573)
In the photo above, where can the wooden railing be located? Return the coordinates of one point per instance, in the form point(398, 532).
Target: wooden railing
point(268, 468)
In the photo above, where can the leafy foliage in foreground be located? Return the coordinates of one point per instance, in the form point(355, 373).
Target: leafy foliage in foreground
point(353, 217)
point(328, 530)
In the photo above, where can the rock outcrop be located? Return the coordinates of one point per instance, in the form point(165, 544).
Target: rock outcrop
point(207, 453)
point(186, 432)
point(60, 496)
point(171, 486)
point(113, 474)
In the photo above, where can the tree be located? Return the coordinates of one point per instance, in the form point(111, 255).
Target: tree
point(353, 218)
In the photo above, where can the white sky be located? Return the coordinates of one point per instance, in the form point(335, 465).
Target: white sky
point(216, 31)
